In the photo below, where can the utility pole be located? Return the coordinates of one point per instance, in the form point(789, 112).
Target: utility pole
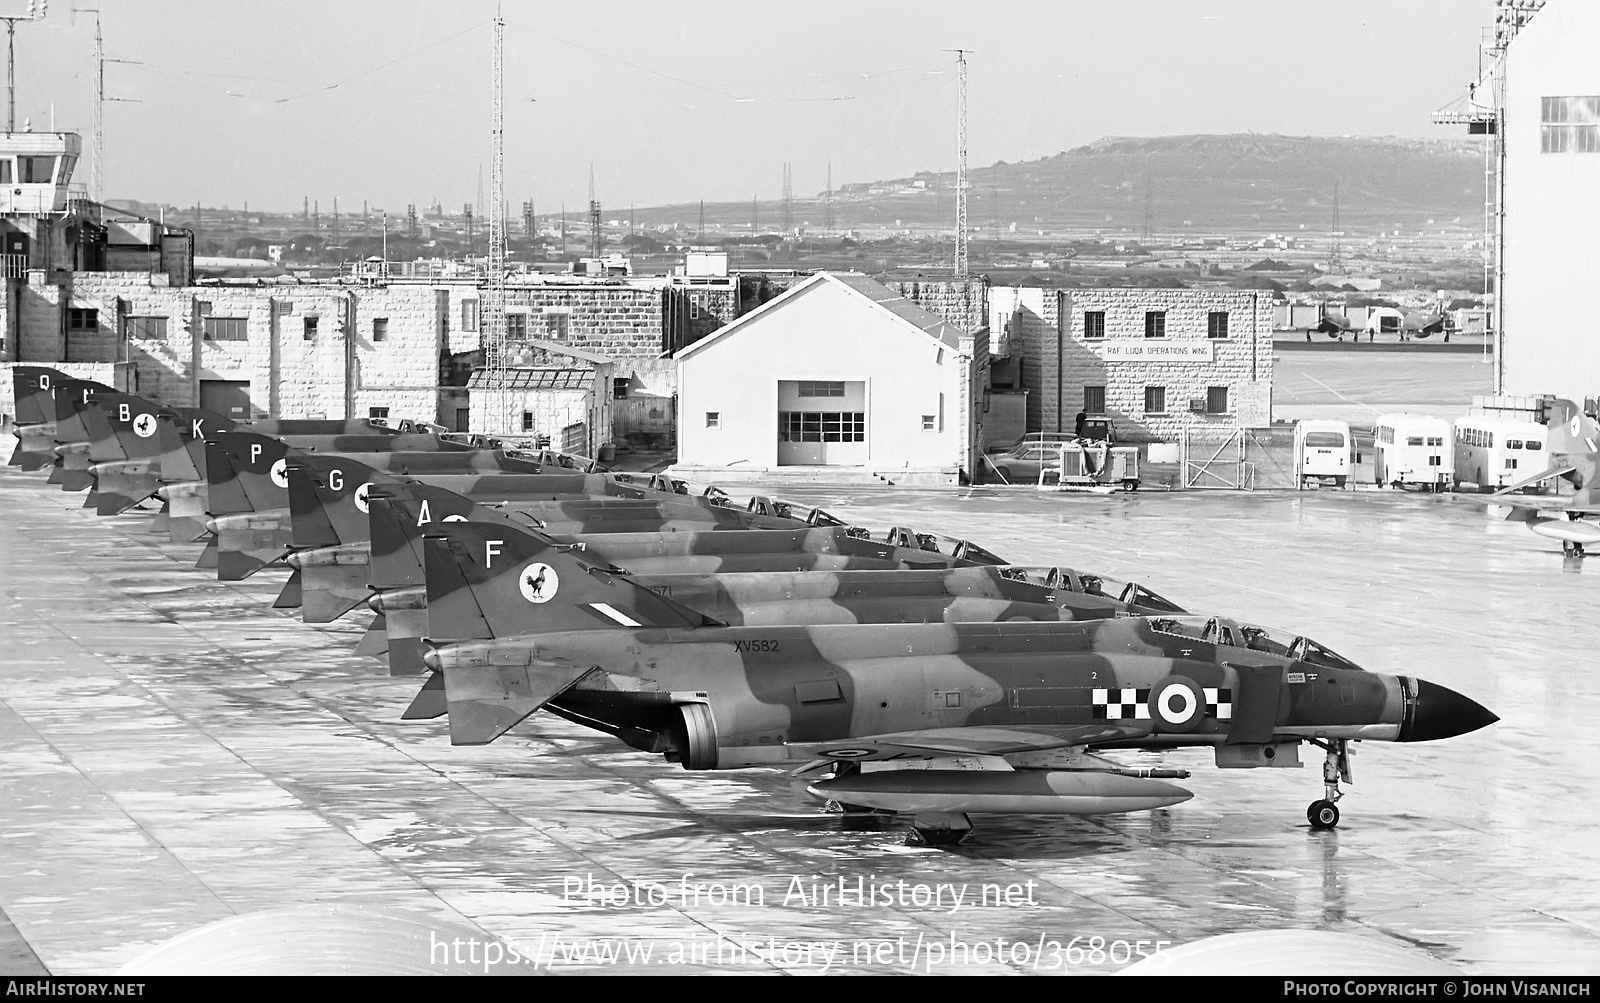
point(827, 205)
point(702, 237)
point(961, 163)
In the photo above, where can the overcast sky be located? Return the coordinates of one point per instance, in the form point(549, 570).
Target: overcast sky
point(389, 102)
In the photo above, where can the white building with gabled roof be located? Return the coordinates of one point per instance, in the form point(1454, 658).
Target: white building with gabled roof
point(838, 379)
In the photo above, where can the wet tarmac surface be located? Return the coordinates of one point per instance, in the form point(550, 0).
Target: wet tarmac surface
point(173, 751)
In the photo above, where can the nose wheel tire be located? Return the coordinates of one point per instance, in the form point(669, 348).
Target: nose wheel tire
point(1323, 814)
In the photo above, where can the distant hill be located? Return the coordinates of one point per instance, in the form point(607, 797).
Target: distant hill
point(1249, 182)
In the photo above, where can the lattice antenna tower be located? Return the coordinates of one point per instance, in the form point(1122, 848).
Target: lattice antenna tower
point(36, 9)
point(961, 267)
point(492, 316)
point(1333, 254)
point(594, 218)
point(788, 198)
point(1484, 115)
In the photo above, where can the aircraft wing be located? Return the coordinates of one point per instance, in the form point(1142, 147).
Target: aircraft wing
point(1530, 481)
point(1527, 509)
point(976, 741)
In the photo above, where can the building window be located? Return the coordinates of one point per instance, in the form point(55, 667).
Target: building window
point(82, 319)
point(380, 329)
point(1216, 400)
point(378, 415)
point(620, 386)
point(225, 329)
point(1155, 324)
point(469, 318)
point(5, 171)
point(1217, 324)
point(463, 419)
point(1569, 125)
point(713, 419)
point(822, 426)
point(1155, 400)
point(311, 329)
point(821, 388)
point(927, 423)
point(35, 170)
point(527, 421)
point(1094, 324)
point(148, 328)
point(557, 326)
point(1094, 400)
point(516, 327)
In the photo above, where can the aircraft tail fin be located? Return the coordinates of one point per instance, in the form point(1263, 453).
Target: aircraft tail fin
point(30, 388)
point(398, 513)
point(224, 494)
point(329, 499)
point(523, 582)
point(259, 463)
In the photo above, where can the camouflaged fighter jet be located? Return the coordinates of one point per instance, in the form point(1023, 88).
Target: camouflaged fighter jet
point(397, 566)
point(328, 503)
point(36, 415)
point(1034, 704)
point(248, 486)
point(184, 490)
point(1574, 448)
point(127, 469)
point(71, 435)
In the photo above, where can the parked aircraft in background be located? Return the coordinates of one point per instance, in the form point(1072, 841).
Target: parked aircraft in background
point(1574, 451)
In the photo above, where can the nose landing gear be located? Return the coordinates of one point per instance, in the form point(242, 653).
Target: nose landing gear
point(1324, 814)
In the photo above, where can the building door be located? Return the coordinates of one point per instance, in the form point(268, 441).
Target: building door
point(822, 423)
point(226, 397)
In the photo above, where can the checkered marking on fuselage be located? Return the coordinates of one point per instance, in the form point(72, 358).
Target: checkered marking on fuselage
point(1219, 703)
point(1131, 704)
point(1127, 704)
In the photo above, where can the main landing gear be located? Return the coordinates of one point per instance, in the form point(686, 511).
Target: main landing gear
point(1324, 814)
point(1571, 548)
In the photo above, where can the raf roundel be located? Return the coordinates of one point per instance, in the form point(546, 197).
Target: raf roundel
point(363, 494)
point(538, 583)
point(144, 426)
point(280, 472)
point(1177, 704)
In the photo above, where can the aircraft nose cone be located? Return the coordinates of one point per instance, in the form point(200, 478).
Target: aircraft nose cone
point(1441, 712)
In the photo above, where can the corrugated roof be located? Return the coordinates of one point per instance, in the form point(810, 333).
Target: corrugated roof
point(930, 323)
point(538, 379)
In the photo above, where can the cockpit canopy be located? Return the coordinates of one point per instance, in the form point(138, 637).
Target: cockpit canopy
point(1133, 595)
point(1231, 633)
point(938, 543)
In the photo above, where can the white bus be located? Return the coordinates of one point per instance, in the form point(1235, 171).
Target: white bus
point(1322, 451)
point(1413, 449)
point(1492, 452)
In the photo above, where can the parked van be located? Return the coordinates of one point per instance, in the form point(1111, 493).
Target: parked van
point(1492, 451)
point(1413, 449)
point(1323, 451)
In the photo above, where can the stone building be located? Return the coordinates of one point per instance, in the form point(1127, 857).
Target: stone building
point(1157, 362)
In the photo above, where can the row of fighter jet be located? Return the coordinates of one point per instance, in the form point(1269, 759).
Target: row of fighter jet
point(909, 675)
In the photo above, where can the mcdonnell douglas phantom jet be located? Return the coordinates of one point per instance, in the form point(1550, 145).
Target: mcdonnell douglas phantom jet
point(519, 625)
